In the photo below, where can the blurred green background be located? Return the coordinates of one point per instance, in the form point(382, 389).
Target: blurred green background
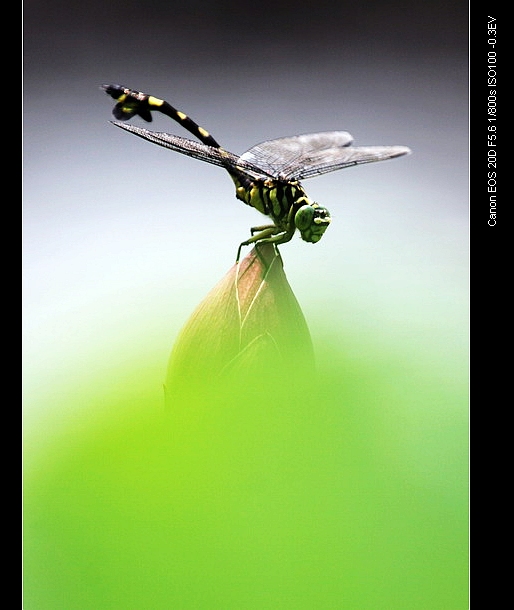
point(355, 495)
point(352, 496)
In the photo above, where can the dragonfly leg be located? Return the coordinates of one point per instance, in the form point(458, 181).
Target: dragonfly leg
point(264, 233)
point(270, 234)
point(262, 228)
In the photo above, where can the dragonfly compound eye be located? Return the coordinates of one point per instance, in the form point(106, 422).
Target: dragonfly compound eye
point(312, 221)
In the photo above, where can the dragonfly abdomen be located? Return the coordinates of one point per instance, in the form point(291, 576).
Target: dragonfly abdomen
point(131, 102)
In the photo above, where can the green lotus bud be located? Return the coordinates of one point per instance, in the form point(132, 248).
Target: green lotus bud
point(248, 331)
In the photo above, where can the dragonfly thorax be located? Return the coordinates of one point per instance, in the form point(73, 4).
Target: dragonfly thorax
point(286, 203)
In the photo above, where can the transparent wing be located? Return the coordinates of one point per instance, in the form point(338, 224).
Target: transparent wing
point(334, 159)
point(283, 156)
point(190, 148)
point(293, 158)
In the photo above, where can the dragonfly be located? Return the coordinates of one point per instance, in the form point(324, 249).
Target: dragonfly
point(267, 176)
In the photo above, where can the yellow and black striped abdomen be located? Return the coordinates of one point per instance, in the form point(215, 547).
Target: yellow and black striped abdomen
point(131, 102)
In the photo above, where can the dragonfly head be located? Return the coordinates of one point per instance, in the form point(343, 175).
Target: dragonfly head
point(312, 221)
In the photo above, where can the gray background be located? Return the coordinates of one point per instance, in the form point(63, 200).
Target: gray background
point(122, 239)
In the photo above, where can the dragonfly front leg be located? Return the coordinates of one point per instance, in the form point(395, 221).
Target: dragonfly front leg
point(268, 234)
point(263, 228)
point(264, 233)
